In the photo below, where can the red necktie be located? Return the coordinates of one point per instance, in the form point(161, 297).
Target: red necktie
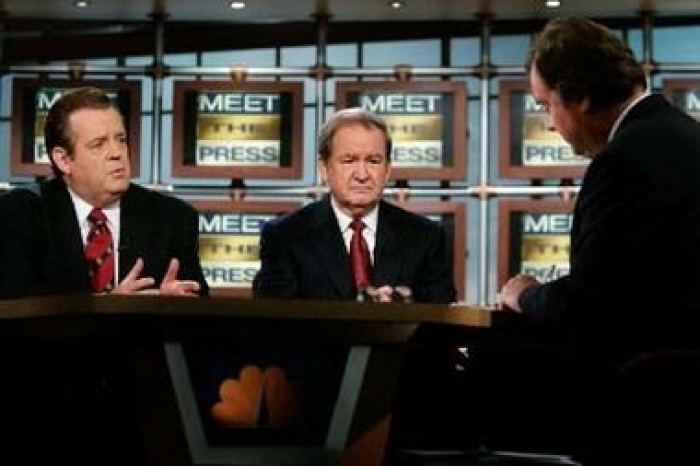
point(359, 255)
point(99, 252)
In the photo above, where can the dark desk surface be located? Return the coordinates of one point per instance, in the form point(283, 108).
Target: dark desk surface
point(174, 317)
point(155, 305)
point(108, 351)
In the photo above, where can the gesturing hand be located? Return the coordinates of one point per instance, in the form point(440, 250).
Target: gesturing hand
point(170, 285)
point(174, 287)
point(132, 283)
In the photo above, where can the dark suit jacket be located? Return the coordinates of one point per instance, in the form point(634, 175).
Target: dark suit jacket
point(303, 256)
point(635, 239)
point(42, 250)
point(87, 382)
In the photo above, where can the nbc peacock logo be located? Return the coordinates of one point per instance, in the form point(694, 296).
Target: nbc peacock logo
point(257, 398)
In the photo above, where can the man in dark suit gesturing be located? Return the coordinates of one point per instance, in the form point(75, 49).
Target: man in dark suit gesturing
point(82, 389)
point(305, 254)
point(46, 229)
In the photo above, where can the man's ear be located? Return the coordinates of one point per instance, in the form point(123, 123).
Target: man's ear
point(387, 175)
point(585, 105)
point(321, 168)
point(61, 159)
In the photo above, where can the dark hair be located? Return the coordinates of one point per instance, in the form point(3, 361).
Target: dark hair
point(57, 130)
point(345, 117)
point(579, 59)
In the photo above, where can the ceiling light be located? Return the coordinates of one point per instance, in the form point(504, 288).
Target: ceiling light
point(397, 4)
point(81, 3)
point(553, 3)
point(237, 4)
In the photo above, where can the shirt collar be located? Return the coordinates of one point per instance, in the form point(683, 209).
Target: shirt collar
point(624, 113)
point(344, 219)
point(83, 209)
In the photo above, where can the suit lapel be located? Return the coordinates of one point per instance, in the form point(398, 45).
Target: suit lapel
point(326, 243)
point(67, 253)
point(387, 254)
point(135, 226)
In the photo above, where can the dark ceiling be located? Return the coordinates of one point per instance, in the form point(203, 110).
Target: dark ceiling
point(45, 30)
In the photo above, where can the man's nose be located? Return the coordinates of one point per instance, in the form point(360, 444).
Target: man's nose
point(548, 123)
point(117, 149)
point(361, 170)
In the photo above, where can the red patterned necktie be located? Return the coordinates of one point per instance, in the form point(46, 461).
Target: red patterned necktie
point(99, 252)
point(359, 255)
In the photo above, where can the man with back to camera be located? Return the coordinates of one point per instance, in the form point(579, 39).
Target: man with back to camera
point(635, 237)
point(305, 254)
point(75, 399)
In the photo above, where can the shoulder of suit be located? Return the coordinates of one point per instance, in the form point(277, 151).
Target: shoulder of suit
point(21, 198)
point(398, 213)
point(29, 192)
point(144, 194)
point(302, 218)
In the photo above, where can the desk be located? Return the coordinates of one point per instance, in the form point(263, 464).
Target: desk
point(105, 385)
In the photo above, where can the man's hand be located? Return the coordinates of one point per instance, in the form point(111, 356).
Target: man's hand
point(174, 287)
point(169, 286)
point(131, 283)
point(388, 294)
point(510, 293)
